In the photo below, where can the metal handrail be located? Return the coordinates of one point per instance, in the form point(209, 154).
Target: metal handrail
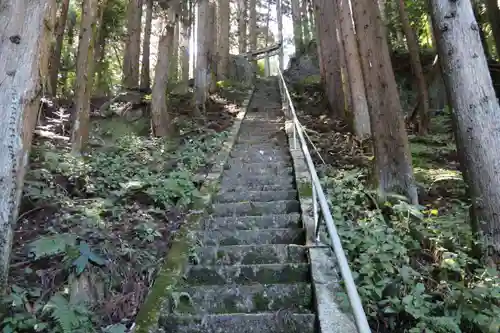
point(319, 196)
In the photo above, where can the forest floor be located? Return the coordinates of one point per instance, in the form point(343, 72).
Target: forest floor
point(94, 228)
point(412, 264)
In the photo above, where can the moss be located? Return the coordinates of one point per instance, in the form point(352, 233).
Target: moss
point(168, 278)
point(229, 305)
point(305, 189)
point(260, 302)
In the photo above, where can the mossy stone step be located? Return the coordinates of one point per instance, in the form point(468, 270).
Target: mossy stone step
point(255, 208)
point(277, 322)
point(286, 182)
point(241, 299)
point(248, 237)
point(249, 254)
point(261, 196)
point(247, 274)
point(236, 171)
point(235, 164)
point(274, 221)
point(245, 188)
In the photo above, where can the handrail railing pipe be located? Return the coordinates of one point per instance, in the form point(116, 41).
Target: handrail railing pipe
point(324, 212)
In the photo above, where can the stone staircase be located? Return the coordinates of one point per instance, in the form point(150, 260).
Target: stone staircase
point(249, 271)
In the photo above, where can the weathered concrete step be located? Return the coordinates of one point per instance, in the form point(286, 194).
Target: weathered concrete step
point(255, 208)
point(261, 196)
point(248, 237)
point(275, 168)
point(247, 274)
point(268, 172)
point(249, 254)
point(279, 138)
point(264, 159)
point(241, 299)
point(279, 322)
point(246, 188)
point(285, 183)
point(258, 153)
point(234, 163)
point(275, 221)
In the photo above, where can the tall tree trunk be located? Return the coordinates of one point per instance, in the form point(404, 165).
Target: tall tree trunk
point(242, 25)
point(201, 71)
point(475, 110)
point(173, 61)
point(361, 118)
point(327, 22)
point(320, 37)
point(393, 169)
point(305, 22)
point(24, 57)
point(83, 83)
point(100, 85)
point(71, 23)
point(416, 64)
point(346, 86)
point(297, 27)
point(223, 39)
point(280, 34)
point(146, 45)
point(267, 65)
point(253, 24)
point(132, 45)
point(212, 47)
point(312, 22)
point(184, 50)
point(494, 18)
point(161, 121)
point(55, 59)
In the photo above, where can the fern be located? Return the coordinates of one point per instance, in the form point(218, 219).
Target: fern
point(69, 317)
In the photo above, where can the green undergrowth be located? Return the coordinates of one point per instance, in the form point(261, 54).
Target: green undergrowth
point(93, 228)
point(412, 264)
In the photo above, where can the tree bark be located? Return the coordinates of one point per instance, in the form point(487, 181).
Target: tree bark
point(146, 45)
point(327, 22)
point(280, 34)
point(242, 25)
point(297, 27)
point(132, 45)
point(173, 61)
point(24, 57)
point(475, 111)
point(55, 59)
point(361, 117)
point(393, 169)
point(162, 124)
point(305, 22)
point(416, 64)
point(476, 4)
point(212, 47)
point(223, 39)
point(80, 130)
point(201, 71)
point(184, 36)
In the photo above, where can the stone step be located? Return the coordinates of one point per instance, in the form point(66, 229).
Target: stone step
point(254, 158)
point(255, 208)
point(249, 237)
point(251, 182)
point(245, 188)
point(256, 152)
point(274, 221)
point(241, 299)
point(235, 164)
point(261, 196)
point(268, 172)
point(278, 322)
point(249, 254)
point(247, 274)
